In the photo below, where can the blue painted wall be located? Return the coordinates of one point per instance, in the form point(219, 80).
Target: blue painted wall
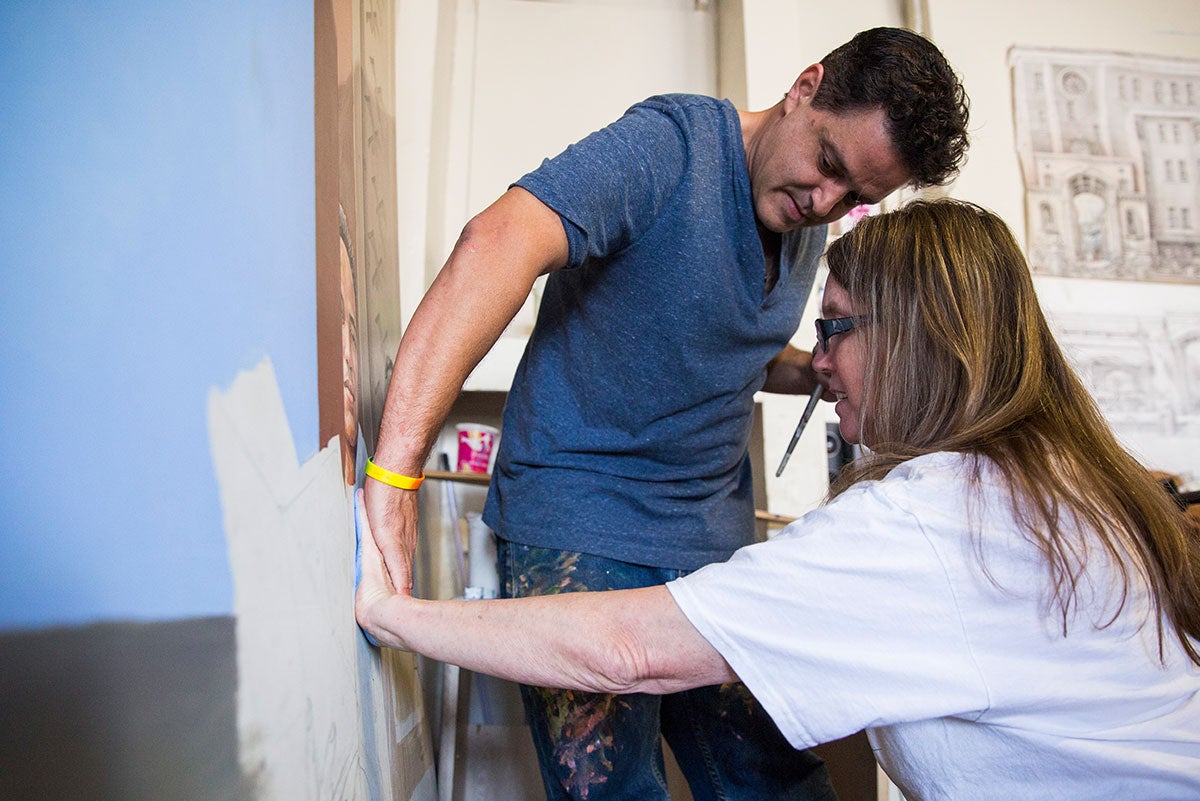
point(156, 236)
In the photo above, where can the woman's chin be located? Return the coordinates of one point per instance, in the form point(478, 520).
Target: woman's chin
point(847, 422)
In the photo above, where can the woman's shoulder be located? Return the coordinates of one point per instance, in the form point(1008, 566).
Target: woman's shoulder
point(934, 490)
point(932, 472)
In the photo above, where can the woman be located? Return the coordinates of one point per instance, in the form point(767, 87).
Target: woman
point(1004, 598)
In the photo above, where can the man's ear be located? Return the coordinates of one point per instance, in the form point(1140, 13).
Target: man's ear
point(804, 88)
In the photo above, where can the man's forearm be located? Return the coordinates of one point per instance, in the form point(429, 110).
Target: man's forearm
point(482, 286)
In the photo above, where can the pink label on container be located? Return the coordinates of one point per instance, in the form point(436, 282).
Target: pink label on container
point(475, 448)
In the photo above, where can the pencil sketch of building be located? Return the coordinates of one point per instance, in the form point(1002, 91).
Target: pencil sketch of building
point(1110, 154)
point(1143, 370)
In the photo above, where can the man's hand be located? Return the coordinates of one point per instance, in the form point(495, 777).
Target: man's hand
point(791, 373)
point(375, 591)
point(392, 515)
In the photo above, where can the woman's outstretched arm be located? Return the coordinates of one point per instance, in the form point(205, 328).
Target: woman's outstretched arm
point(616, 642)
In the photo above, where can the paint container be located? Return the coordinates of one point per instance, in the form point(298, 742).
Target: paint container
point(476, 447)
point(481, 559)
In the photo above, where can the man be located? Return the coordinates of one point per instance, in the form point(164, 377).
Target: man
point(690, 234)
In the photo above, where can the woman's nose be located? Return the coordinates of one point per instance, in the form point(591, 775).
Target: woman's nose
point(821, 362)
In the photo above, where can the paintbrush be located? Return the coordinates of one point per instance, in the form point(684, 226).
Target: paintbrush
point(808, 412)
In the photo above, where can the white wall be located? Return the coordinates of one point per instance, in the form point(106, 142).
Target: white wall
point(785, 36)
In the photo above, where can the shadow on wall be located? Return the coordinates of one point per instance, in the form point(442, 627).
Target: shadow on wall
point(121, 712)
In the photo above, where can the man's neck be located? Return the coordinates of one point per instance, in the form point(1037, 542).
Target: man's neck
point(751, 123)
point(772, 244)
point(754, 122)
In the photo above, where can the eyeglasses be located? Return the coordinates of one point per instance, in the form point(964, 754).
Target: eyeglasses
point(827, 329)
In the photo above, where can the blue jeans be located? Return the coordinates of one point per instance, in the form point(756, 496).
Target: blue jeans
point(607, 747)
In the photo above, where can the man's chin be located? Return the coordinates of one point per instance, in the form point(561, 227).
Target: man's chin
point(789, 224)
point(810, 221)
point(804, 222)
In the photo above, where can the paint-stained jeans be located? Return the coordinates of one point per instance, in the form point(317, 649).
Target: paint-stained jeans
point(607, 747)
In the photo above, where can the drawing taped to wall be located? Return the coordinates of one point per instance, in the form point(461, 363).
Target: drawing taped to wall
point(1144, 372)
point(350, 383)
point(378, 276)
point(358, 292)
point(1109, 145)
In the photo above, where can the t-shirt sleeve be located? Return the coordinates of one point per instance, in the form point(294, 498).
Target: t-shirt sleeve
point(848, 619)
point(610, 187)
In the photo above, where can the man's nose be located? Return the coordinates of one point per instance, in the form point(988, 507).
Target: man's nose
point(823, 203)
point(826, 198)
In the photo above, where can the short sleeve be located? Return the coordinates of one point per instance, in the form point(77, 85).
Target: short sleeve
point(610, 187)
point(846, 620)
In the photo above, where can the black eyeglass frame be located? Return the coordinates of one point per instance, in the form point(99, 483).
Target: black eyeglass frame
point(827, 329)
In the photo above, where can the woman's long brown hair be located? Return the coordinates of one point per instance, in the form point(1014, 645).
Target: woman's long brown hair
point(960, 358)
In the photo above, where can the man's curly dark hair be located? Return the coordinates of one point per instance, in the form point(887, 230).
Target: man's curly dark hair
point(908, 77)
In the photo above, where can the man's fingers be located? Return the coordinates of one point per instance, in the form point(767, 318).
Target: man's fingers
point(398, 568)
point(393, 515)
point(373, 574)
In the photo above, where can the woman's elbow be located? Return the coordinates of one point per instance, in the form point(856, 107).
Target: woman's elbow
point(619, 665)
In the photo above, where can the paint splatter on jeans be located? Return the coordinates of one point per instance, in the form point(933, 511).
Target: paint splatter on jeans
point(597, 747)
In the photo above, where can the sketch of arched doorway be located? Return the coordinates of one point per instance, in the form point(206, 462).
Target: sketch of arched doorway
point(1090, 207)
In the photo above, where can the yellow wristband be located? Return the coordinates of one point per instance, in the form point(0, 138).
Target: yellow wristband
point(393, 479)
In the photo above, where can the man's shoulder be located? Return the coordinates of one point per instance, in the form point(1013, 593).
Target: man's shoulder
point(688, 107)
point(685, 100)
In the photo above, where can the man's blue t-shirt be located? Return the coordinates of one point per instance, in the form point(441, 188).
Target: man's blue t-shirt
point(626, 430)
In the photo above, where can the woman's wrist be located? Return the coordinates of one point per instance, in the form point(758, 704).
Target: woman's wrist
point(372, 618)
point(394, 617)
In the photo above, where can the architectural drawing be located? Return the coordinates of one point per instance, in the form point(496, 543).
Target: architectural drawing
point(1144, 372)
point(1110, 153)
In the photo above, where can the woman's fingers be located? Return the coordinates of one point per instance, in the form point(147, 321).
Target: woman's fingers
point(370, 579)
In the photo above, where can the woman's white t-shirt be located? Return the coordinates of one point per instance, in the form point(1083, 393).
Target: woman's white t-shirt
point(882, 611)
